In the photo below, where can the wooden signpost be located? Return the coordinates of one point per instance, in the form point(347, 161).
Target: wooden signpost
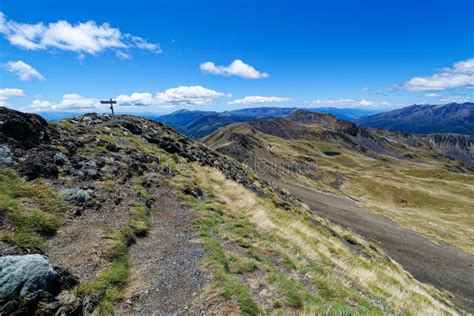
point(111, 102)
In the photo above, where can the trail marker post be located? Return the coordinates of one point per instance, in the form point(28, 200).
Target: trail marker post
point(111, 102)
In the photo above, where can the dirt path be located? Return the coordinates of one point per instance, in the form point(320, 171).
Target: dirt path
point(165, 278)
point(441, 265)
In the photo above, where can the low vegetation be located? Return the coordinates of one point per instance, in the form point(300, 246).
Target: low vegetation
point(109, 284)
point(269, 260)
point(30, 211)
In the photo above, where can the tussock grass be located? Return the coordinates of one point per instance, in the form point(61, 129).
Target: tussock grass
point(306, 267)
point(139, 219)
point(67, 125)
point(422, 194)
point(31, 210)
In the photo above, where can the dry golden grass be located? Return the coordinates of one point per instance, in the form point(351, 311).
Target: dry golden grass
point(419, 194)
point(374, 274)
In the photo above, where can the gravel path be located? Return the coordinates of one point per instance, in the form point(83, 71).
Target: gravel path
point(442, 265)
point(165, 278)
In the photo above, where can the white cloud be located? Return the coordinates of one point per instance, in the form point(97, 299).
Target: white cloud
point(141, 43)
point(23, 70)
point(11, 92)
point(460, 75)
point(259, 100)
point(188, 95)
point(236, 68)
point(7, 93)
point(343, 103)
point(432, 95)
point(135, 99)
point(82, 38)
point(179, 96)
point(72, 101)
point(122, 55)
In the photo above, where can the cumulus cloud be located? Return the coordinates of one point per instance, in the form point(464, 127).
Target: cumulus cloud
point(341, 103)
point(260, 100)
point(188, 95)
point(236, 68)
point(7, 93)
point(135, 99)
point(179, 96)
point(24, 71)
point(459, 75)
point(72, 101)
point(82, 38)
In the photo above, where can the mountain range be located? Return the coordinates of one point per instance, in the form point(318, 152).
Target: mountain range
point(197, 124)
point(425, 119)
point(422, 119)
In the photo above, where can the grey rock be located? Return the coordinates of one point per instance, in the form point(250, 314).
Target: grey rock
point(90, 164)
point(59, 159)
point(25, 276)
point(195, 192)
point(6, 156)
point(75, 195)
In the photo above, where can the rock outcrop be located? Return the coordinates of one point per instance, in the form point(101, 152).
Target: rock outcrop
point(24, 130)
point(29, 283)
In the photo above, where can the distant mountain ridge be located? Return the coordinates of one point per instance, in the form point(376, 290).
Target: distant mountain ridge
point(301, 124)
point(425, 119)
point(197, 124)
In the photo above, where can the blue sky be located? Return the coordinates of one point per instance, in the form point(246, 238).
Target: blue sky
point(159, 56)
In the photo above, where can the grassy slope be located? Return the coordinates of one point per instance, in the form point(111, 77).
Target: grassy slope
point(30, 211)
point(420, 193)
point(270, 260)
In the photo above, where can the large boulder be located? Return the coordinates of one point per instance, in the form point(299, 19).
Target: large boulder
point(25, 275)
point(29, 284)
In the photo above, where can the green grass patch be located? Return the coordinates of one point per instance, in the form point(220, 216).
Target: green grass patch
point(139, 188)
point(111, 281)
point(33, 210)
point(108, 139)
point(68, 126)
point(210, 217)
point(139, 219)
